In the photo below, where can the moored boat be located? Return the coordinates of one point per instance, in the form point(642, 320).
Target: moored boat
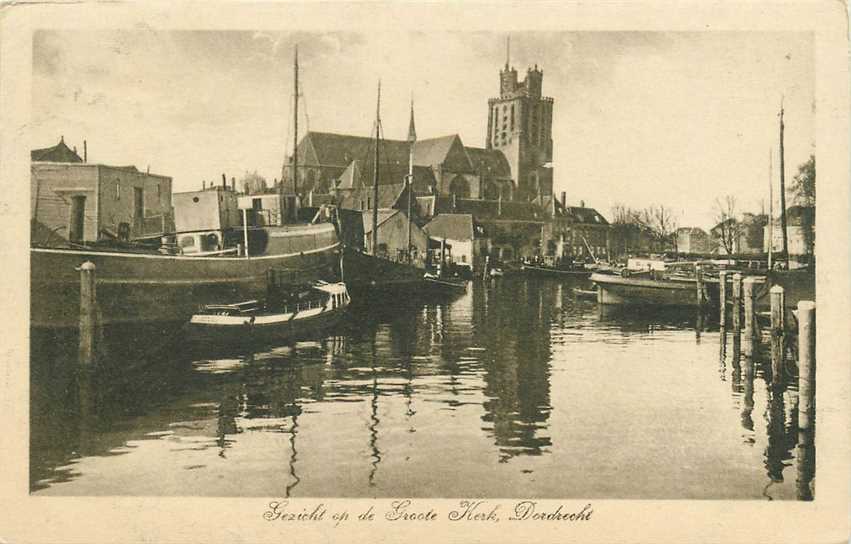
point(138, 287)
point(553, 271)
point(438, 282)
point(289, 314)
point(659, 291)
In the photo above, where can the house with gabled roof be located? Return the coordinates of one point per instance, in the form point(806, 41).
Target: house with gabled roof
point(577, 232)
point(393, 228)
point(461, 233)
point(58, 153)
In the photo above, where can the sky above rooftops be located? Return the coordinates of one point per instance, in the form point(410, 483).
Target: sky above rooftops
point(639, 118)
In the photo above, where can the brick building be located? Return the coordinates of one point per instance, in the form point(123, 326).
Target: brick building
point(79, 202)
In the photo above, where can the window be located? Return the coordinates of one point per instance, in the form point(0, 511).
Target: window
point(117, 189)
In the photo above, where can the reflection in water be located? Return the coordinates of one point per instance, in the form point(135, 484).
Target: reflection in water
point(514, 388)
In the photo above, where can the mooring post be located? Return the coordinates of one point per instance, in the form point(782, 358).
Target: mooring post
point(750, 316)
point(777, 334)
point(88, 314)
point(737, 304)
point(698, 277)
point(806, 363)
point(722, 298)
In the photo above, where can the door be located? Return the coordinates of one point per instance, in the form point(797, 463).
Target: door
point(78, 218)
point(139, 207)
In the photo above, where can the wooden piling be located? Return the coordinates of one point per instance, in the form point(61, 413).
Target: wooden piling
point(806, 363)
point(722, 298)
point(749, 301)
point(777, 334)
point(88, 314)
point(737, 304)
point(698, 277)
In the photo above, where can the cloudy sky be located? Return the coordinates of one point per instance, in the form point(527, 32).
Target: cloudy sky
point(640, 118)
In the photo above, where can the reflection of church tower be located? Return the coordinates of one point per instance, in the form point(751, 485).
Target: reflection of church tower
point(520, 125)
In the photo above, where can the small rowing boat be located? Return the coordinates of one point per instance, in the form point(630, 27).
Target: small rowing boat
point(286, 315)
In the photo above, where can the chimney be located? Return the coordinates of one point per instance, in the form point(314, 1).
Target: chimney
point(203, 185)
point(233, 183)
point(581, 203)
point(148, 169)
point(564, 199)
point(85, 152)
point(224, 181)
point(75, 150)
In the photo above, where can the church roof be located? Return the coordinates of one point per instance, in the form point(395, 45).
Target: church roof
point(58, 153)
point(489, 161)
point(333, 149)
point(360, 173)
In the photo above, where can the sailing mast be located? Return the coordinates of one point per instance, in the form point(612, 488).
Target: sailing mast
point(375, 173)
point(295, 131)
point(770, 209)
point(281, 198)
point(783, 192)
point(412, 138)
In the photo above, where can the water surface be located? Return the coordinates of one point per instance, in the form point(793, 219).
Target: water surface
point(515, 389)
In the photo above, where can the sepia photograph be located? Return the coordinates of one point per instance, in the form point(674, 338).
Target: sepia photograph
point(329, 262)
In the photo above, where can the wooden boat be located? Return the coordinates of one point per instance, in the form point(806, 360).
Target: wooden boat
point(286, 315)
point(542, 270)
point(436, 282)
point(144, 287)
point(649, 291)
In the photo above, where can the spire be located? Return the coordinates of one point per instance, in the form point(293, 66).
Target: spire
point(412, 129)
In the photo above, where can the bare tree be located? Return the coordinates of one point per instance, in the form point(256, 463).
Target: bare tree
point(252, 183)
point(728, 227)
point(624, 215)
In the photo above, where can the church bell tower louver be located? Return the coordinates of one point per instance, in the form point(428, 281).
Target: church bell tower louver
point(520, 125)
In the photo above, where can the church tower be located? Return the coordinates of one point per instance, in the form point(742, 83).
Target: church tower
point(520, 125)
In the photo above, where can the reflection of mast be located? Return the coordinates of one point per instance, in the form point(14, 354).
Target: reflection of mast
point(374, 421)
point(294, 453)
point(294, 412)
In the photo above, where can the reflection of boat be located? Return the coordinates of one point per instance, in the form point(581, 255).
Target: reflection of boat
point(290, 314)
point(590, 294)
